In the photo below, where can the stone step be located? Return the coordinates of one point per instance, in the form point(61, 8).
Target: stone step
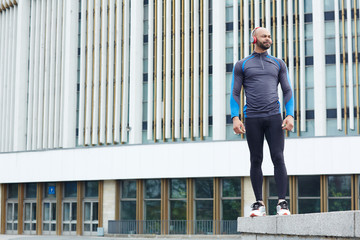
point(330, 224)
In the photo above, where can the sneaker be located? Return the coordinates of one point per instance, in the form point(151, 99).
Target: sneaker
point(257, 210)
point(282, 208)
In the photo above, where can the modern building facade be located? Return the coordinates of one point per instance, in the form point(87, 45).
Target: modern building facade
point(119, 110)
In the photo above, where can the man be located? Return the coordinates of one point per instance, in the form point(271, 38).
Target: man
point(260, 74)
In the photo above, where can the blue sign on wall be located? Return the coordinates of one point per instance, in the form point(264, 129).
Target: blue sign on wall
point(51, 190)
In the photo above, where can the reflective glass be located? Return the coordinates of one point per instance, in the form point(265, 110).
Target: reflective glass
point(87, 227)
point(9, 211)
point(128, 210)
point(53, 227)
point(94, 227)
point(309, 48)
point(128, 189)
point(153, 188)
point(308, 6)
point(13, 190)
point(308, 205)
point(27, 211)
point(178, 188)
point(330, 29)
point(229, 14)
point(204, 188)
point(229, 55)
point(8, 226)
point(15, 211)
point(53, 211)
point(152, 210)
point(339, 186)
point(309, 186)
point(329, 5)
point(229, 39)
point(231, 209)
point(30, 190)
point(231, 187)
point(70, 189)
point(33, 213)
point(46, 227)
point(73, 227)
point(91, 189)
point(66, 212)
point(339, 205)
point(87, 211)
point(46, 211)
point(308, 31)
point(27, 226)
point(66, 227)
point(330, 46)
point(33, 226)
point(73, 211)
point(95, 212)
point(15, 226)
point(204, 210)
point(178, 210)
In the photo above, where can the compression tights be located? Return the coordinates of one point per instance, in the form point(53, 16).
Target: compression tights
point(256, 129)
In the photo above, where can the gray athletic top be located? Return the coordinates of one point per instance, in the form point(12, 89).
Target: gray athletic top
point(260, 74)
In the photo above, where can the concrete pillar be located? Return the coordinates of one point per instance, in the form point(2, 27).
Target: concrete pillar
point(109, 203)
point(249, 197)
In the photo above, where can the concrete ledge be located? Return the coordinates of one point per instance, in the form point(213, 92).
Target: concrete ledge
point(331, 224)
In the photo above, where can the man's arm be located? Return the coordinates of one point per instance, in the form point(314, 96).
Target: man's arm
point(288, 95)
point(236, 84)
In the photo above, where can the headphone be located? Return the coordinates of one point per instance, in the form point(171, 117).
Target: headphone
point(253, 39)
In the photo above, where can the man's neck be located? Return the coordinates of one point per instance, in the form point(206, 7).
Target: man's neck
point(259, 50)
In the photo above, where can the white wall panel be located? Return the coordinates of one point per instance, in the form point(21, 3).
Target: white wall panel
point(21, 75)
point(319, 68)
point(350, 73)
point(96, 77)
point(186, 69)
point(336, 155)
point(206, 70)
point(136, 73)
point(158, 70)
point(82, 94)
point(150, 100)
point(89, 72)
point(219, 90)
point(40, 96)
point(103, 70)
point(337, 61)
point(168, 73)
point(118, 70)
point(70, 74)
point(195, 119)
point(125, 99)
point(177, 67)
point(111, 82)
point(302, 67)
point(48, 44)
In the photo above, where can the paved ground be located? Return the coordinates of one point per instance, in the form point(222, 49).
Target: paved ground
point(138, 237)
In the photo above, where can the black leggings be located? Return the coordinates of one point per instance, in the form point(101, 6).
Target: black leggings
point(256, 129)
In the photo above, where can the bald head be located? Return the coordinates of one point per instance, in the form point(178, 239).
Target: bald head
point(263, 39)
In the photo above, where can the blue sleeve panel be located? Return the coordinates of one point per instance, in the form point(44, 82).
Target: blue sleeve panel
point(236, 85)
point(288, 95)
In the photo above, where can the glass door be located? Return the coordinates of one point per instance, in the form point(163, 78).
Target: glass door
point(11, 218)
point(49, 217)
point(30, 217)
point(69, 217)
point(91, 219)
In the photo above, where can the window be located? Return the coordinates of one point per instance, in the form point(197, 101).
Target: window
point(12, 209)
point(177, 206)
point(30, 208)
point(69, 208)
point(231, 198)
point(49, 209)
point(339, 193)
point(204, 197)
point(152, 206)
point(272, 198)
point(128, 200)
point(91, 204)
point(308, 194)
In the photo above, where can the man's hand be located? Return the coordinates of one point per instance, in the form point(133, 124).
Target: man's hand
point(288, 123)
point(238, 126)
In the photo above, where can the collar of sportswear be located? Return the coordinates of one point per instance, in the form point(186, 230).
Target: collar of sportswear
point(256, 53)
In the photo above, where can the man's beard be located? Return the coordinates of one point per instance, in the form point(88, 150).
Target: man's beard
point(262, 46)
